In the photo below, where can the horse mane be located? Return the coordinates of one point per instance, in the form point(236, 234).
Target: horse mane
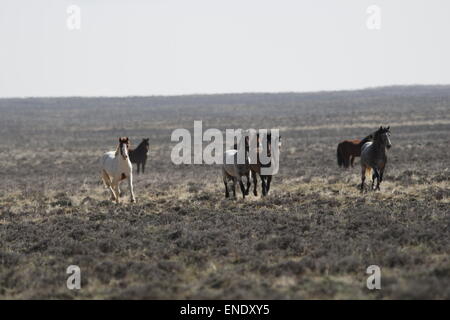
point(374, 135)
point(140, 146)
point(370, 137)
point(118, 149)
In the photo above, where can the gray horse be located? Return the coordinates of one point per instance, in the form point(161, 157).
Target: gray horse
point(373, 156)
point(233, 170)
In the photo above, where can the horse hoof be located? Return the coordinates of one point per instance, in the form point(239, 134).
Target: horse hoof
point(133, 200)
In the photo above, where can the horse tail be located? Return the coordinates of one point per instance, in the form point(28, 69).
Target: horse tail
point(368, 171)
point(340, 159)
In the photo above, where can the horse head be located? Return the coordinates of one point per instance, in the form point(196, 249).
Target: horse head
point(124, 144)
point(146, 143)
point(383, 135)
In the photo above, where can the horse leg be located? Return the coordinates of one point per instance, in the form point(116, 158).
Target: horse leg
point(377, 176)
point(352, 160)
point(248, 184)
point(225, 179)
point(115, 186)
point(143, 166)
point(241, 184)
point(130, 186)
point(382, 171)
point(119, 192)
point(263, 185)
point(346, 160)
point(255, 183)
point(227, 194)
point(363, 177)
point(234, 187)
point(269, 179)
point(378, 180)
point(107, 181)
point(138, 166)
point(374, 176)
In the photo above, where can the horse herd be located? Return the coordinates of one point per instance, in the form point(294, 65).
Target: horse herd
point(116, 166)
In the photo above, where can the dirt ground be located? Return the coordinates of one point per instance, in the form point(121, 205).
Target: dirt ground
point(313, 237)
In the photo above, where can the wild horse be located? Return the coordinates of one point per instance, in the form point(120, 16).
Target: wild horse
point(115, 167)
point(373, 156)
point(348, 150)
point(139, 154)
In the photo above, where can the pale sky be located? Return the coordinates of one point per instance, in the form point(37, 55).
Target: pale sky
point(165, 47)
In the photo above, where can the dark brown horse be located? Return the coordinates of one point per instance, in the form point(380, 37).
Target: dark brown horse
point(348, 150)
point(255, 168)
point(139, 154)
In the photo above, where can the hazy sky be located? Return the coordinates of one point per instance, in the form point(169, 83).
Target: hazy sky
point(133, 47)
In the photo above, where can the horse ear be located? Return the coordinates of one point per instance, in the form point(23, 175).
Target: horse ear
point(388, 128)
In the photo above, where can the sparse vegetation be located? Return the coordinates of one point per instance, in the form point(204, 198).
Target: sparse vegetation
point(313, 237)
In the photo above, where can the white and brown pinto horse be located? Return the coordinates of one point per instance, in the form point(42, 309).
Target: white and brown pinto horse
point(116, 166)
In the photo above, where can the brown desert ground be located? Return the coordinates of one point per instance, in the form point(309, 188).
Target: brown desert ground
point(313, 237)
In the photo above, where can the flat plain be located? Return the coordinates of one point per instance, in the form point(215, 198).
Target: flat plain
point(313, 237)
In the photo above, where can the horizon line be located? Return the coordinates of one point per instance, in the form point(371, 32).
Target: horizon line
point(225, 93)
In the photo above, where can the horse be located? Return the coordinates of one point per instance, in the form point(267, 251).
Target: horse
point(115, 167)
point(234, 171)
point(139, 154)
point(373, 156)
point(348, 150)
point(256, 165)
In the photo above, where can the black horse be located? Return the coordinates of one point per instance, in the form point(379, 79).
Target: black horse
point(139, 154)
